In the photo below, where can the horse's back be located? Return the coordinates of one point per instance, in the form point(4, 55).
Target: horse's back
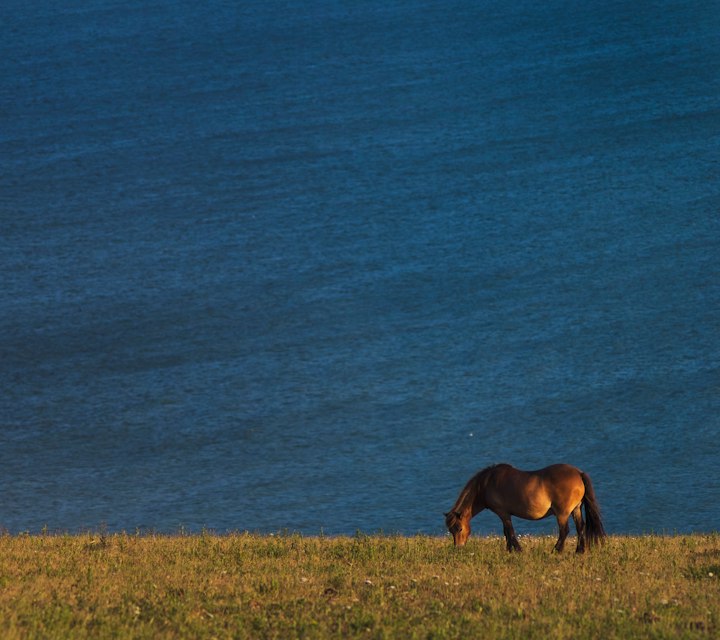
point(560, 470)
point(553, 474)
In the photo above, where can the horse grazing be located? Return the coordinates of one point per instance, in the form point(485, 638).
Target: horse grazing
point(559, 489)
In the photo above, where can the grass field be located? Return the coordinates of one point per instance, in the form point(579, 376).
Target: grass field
point(246, 586)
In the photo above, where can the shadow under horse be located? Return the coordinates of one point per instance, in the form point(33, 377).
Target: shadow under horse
point(560, 490)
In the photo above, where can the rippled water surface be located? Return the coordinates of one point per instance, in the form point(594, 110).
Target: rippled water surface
point(310, 265)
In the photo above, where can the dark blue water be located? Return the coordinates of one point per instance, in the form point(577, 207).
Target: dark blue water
point(310, 265)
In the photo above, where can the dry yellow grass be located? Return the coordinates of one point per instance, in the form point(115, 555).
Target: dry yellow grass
point(245, 586)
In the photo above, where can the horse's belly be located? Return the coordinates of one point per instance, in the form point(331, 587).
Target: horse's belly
point(536, 509)
point(537, 512)
point(523, 506)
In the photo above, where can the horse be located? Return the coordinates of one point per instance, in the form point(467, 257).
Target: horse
point(558, 490)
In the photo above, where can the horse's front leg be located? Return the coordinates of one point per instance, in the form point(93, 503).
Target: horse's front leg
point(509, 531)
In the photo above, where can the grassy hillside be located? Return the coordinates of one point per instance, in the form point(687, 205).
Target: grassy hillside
point(245, 586)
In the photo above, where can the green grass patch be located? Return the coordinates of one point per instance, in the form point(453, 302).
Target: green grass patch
point(255, 587)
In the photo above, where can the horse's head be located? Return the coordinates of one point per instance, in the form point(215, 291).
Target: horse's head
point(458, 526)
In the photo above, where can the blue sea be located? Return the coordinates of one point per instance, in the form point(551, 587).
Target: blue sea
point(307, 266)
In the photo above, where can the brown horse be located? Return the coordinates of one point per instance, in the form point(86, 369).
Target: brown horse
point(559, 490)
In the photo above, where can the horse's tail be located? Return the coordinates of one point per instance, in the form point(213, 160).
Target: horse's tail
point(594, 530)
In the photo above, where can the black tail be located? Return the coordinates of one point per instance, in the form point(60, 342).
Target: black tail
point(594, 530)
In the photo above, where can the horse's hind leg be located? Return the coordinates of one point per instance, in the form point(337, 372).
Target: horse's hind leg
point(564, 527)
point(580, 527)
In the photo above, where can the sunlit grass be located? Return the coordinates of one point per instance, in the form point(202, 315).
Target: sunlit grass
point(246, 586)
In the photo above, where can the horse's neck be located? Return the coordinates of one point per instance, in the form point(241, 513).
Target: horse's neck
point(471, 500)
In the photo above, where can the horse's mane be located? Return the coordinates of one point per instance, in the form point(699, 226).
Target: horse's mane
point(467, 496)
